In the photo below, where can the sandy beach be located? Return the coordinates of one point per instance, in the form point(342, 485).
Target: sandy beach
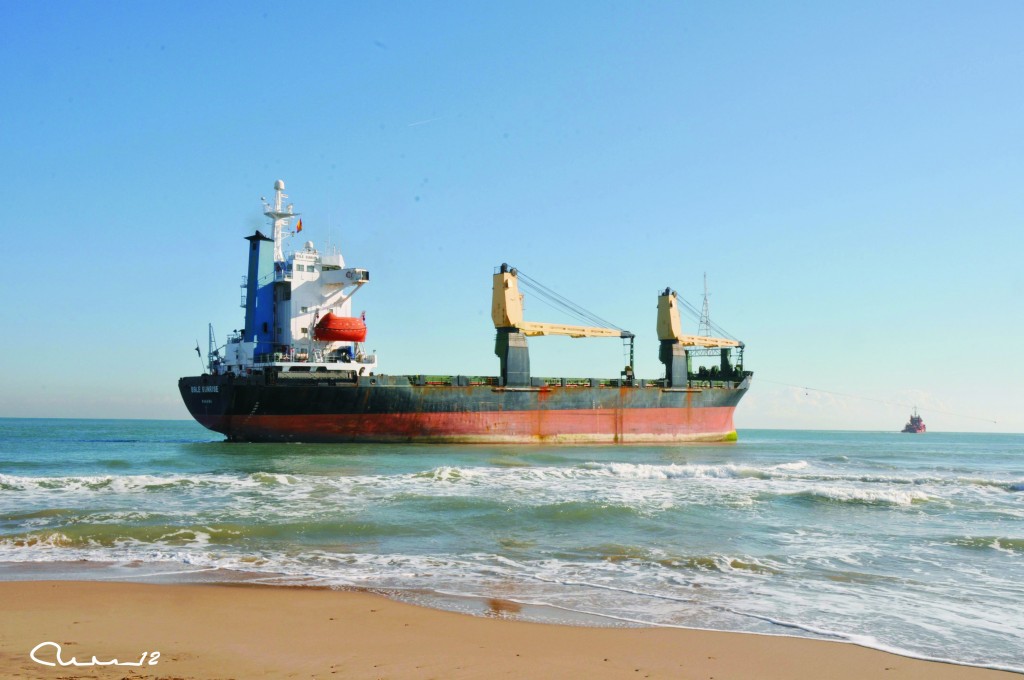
point(228, 631)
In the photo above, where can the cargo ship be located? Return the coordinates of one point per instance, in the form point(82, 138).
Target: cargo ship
point(299, 370)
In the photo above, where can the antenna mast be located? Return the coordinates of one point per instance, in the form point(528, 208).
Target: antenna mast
point(280, 215)
point(705, 317)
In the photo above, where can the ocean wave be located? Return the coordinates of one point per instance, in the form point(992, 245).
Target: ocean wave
point(676, 471)
point(46, 513)
point(673, 471)
point(112, 536)
point(721, 563)
point(143, 483)
point(117, 483)
point(273, 479)
point(297, 495)
point(458, 479)
point(1004, 484)
point(840, 495)
point(448, 473)
point(909, 480)
point(591, 470)
point(578, 512)
point(50, 539)
point(998, 543)
point(144, 531)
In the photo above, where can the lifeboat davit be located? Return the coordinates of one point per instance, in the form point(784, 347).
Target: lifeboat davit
point(332, 328)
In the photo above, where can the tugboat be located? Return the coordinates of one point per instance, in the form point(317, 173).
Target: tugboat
point(298, 370)
point(915, 425)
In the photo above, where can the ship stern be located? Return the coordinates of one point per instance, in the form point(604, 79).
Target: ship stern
point(207, 399)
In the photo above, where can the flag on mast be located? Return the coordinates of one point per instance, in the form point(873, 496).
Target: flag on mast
point(298, 227)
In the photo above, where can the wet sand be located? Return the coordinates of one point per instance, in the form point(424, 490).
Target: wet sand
point(243, 631)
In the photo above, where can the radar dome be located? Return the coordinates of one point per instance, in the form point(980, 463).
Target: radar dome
point(279, 185)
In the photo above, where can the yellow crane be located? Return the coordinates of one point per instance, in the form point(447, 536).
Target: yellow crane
point(507, 312)
point(510, 343)
point(676, 346)
point(512, 331)
point(670, 328)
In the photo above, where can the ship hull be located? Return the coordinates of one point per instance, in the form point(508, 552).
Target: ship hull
point(396, 409)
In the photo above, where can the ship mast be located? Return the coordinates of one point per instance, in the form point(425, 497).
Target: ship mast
point(704, 327)
point(280, 215)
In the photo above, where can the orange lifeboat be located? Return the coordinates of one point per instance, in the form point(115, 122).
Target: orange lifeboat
point(333, 328)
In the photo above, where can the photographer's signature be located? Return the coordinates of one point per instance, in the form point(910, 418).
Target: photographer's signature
point(73, 661)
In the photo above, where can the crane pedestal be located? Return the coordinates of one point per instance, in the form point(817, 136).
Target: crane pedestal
point(510, 346)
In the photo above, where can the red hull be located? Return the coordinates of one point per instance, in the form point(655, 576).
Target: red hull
point(578, 425)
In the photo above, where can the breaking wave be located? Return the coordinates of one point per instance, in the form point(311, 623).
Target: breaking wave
point(999, 543)
point(117, 483)
point(675, 471)
point(897, 497)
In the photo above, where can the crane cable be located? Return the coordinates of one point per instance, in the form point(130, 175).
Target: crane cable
point(714, 327)
point(562, 303)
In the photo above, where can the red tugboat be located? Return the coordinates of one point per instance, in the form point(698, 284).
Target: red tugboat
point(916, 424)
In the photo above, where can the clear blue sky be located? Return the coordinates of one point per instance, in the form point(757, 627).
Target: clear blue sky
point(849, 175)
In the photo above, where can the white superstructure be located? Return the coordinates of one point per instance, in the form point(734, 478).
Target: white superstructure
point(286, 303)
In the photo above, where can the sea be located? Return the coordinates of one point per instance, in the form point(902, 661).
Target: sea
point(906, 543)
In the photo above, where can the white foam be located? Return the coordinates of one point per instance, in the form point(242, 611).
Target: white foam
point(794, 466)
point(119, 483)
point(674, 471)
point(867, 496)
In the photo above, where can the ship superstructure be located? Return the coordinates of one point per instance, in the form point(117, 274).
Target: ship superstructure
point(915, 425)
point(297, 371)
point(298, 307)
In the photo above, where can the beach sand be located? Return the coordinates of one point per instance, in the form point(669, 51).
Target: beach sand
point(228, 631)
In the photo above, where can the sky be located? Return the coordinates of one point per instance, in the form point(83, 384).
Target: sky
point(848, 175)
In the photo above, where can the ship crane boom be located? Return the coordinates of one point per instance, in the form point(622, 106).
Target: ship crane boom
point(705, 341)
point(671, 329)
point(534, 328)
point(512, 330)
point(507, 312)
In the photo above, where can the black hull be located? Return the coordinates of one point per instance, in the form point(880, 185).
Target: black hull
point(277, 407)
